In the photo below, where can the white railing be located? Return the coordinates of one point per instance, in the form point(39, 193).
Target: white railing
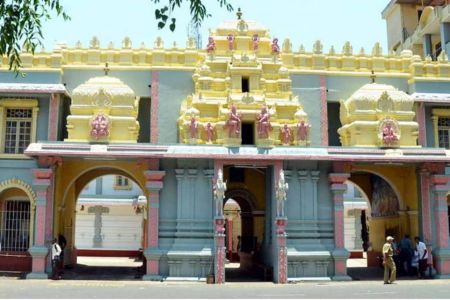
point(14, 225)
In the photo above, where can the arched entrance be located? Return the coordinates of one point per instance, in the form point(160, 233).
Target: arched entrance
point(101, 216)
point(383, 214)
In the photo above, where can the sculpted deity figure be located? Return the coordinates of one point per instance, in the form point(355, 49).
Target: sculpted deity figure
point(281, 194)
point(389, 134)
point(230, 39)
point(219, 193)
point(209, 129)
point(275, 47)
point(211, 47)
point(286, 135)
point(193, 128)
point(100, 126)
point(255, 42)
point(264, 125)
point(233, 123)
point(303, 130)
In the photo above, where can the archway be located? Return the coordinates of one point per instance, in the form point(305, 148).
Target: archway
point(373, 204)
point(103, 222)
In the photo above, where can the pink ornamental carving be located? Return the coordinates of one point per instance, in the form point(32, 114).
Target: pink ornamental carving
point(209, 132)
point(255, 42)
point(100, 126)
point(230, 39)
point(303, 131)
point(211, 47)
point(389, 135)
point(233, 123)
point(286, 135)
point(193, 128)
point(275, 47)
point(264, 125)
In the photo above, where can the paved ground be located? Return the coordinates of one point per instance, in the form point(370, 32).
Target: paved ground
point(122, 281)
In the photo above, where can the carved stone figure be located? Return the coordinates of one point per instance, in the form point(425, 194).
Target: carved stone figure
point(264, 125)
point(100, 126)
point(233, 123)
point(211, 47)
point(275, 47)
point(209, 132)
point(303, 131)
point(281, 194)
point(193, 128)
point(286, 135)
point(255, 42)
point(219, 193)
point(230, 39)
point(389, 134)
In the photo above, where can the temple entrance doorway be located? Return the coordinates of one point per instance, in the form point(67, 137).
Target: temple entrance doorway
point(103, 225)
point(372, 211)
point(245, 210)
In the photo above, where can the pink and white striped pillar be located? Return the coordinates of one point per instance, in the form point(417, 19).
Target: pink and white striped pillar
point(154, 184)
point(340, 254)
point(42, 179)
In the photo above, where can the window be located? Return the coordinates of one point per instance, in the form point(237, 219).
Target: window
point(443, 132)
point(248, 134)
point(122, 183)
point(15, 225)
point(245, 85)
point(18, 119)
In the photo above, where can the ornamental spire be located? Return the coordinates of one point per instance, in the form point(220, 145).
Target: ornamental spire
point(239, 13)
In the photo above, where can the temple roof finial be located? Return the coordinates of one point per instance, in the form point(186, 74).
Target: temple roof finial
point(106, 69)
point(239, 13)
point(372, 76)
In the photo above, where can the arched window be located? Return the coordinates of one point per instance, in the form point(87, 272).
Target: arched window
point(14, 224)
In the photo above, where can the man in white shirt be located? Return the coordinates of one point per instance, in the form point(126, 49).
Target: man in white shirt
point(56, 252)
point(423, 256)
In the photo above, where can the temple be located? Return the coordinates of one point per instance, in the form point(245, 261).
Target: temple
point(241, 151)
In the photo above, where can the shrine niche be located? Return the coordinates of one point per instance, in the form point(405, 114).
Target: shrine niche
point(241, 86)
point(378, 115)
point(103, 110)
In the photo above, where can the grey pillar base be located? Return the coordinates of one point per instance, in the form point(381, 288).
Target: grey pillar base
point(152, 277)
point(341, 278)
point(36, 275)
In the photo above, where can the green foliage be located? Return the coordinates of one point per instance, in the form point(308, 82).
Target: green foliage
point(21, 26)
point(197, 9)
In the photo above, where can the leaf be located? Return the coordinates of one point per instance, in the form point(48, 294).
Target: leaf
point(161, 25)
point(172, 27)
point(157, 14)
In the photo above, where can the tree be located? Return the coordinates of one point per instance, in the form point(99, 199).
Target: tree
point(197, 9)
point(21, 26)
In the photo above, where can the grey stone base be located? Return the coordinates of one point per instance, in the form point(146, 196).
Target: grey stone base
point(197, 279)
point(439, 276)
point(341, 278)
point(152, 278)
point(36, 275)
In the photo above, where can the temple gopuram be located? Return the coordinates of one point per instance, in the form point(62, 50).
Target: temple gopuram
point(243, 151)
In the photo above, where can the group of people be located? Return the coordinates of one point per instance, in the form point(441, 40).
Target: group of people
point(58, 245)
point(409, 258)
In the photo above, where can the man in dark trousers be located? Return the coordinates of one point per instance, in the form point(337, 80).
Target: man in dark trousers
point(62, 243)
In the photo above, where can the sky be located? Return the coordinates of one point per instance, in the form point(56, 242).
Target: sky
point(302, 21)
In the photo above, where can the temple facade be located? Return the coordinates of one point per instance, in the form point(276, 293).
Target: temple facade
point(277, 130)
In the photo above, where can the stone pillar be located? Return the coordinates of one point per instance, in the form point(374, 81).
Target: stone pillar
point(427, 45)
point(340, 254)
point(281, 189)
point(39, 251)
point(445, 37)
point(442, 251)
point(219, 227)
point(53, 117)
point(154, 184)
point(421, 119)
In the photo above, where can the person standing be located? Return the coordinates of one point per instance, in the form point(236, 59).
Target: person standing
point(56, 252)
point(406, 254)
point(390, 271)
point(423, 256)
point(62, 242)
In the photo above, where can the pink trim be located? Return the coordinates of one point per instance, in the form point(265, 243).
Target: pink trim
point(49, 211)
point(426, 218)
point(340, 267)
point(282, 250)
point(40, 230)
point(53, 115)
point(422, 125)
point(152, 267)
point(219, 236)
point(154, 108)
point(38, 264)
point(323, 111)
point(440, 189)
point(339, 228)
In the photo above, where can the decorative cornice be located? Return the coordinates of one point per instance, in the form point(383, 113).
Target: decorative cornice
point(33, 88)
point(17, 183)
point(431, 97)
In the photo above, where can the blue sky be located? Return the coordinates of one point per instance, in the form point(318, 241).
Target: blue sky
point(303, 21)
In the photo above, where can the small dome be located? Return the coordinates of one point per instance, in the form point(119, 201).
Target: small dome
point(108, 85)
point(373, 92)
